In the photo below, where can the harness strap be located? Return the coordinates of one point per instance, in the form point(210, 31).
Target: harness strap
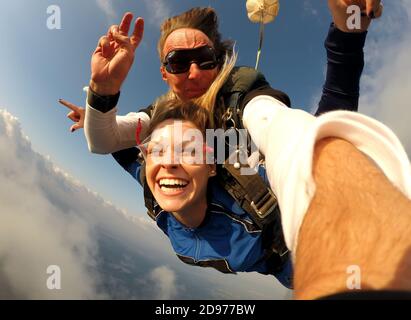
point(253, 195)
point(149, 200)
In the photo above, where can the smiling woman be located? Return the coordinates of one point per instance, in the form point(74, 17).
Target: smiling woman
point(205, 225)
point(177, 173)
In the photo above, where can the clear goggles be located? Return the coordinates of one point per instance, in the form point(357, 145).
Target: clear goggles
point(169, 150)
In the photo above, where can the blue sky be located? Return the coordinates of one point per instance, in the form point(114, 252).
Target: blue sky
point(38, 66)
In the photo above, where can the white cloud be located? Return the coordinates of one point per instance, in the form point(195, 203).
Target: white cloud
point(47, 218)
point(386, 88)
point(164, 280)
point(107, 7)
point(157, 11)
point(309, 8)
point(33, 234)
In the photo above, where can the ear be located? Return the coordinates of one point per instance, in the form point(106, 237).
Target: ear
point(163, 73)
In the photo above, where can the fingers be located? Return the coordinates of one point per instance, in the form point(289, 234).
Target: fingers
point(119, 33)
point(137, 32)
point(125, 23)
point(104, 46)
point(121, 40)
point(69, 105)
point(115, 38)
point(74, 116)
point(379, 11)
point(76, 126)
point(373, 8)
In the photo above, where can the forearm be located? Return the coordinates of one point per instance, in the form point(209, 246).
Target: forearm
point(287, 138)
point(105, 131)
point(356, 218)
point(108, 133)
point(345, 63)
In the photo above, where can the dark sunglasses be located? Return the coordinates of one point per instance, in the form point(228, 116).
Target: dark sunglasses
point(179, 61)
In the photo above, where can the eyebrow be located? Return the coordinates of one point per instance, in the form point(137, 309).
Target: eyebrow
point(183, 144)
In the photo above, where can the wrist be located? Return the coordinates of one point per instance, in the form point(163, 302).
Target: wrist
point(102, 103)
point(104, 89)
point(343, 26)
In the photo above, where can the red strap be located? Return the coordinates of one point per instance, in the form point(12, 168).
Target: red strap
point(138, 131)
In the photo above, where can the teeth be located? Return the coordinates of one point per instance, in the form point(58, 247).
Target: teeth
point(169, 188)
point(172, 183)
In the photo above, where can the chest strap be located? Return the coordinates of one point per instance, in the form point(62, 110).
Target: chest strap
point(256, 198)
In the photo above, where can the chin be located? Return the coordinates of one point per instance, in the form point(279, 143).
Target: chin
point(170, 205)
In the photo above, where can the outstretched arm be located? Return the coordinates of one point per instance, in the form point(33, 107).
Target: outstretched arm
point(127, 158)
point(345, 56)
point(105, 132)
point(352, 190)
point(110, 64)
point(356, 218)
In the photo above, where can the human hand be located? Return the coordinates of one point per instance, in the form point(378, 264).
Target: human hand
point(114, 56)
point(370, 9)
point(77, 114)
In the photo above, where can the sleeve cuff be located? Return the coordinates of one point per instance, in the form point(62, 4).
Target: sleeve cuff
point(340, 41)
point(102, 103)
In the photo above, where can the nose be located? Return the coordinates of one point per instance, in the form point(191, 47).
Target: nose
point(194, 72)
point(170, 160)
point(170, 166)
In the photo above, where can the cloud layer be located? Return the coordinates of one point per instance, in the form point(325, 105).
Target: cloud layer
point(48, 218)
point(386, 87)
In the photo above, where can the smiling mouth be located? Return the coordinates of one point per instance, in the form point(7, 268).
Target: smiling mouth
point(172, 184)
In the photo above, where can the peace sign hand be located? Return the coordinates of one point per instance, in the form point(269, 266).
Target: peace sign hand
point(114, 56)
point(77, 115)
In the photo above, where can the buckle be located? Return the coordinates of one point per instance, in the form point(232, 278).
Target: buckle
point(271, 203)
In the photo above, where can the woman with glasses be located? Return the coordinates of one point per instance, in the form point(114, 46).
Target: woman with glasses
point(203, 230)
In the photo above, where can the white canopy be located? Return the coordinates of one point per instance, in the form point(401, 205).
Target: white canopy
point(262, 11)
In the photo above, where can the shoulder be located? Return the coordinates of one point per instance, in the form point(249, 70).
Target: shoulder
point(243, 79)
point(251, 83)
point(148, 110)
point(267, 91)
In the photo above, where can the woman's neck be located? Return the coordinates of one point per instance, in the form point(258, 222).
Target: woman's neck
point(192, 216)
